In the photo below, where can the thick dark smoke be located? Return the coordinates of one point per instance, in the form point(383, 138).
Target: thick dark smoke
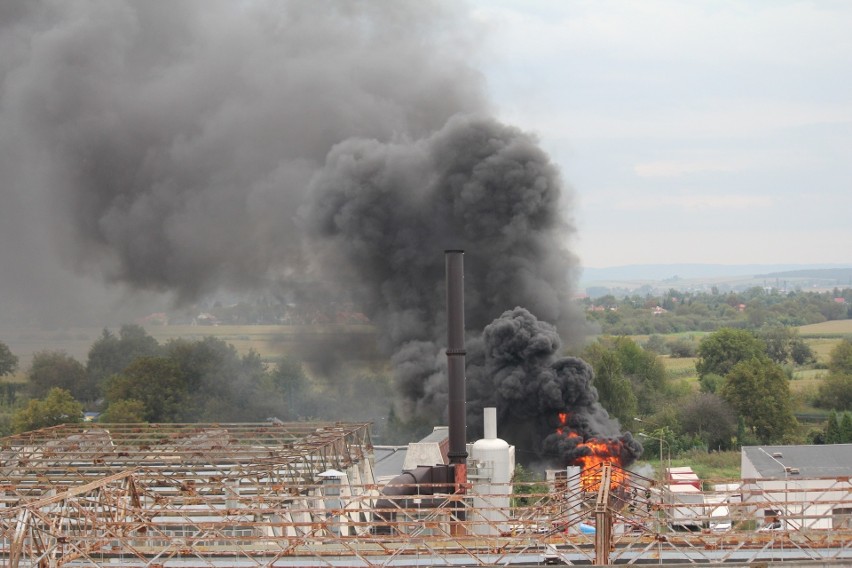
point(518, 368)
point(179, 147)
point(168, 146)
point(386, 211)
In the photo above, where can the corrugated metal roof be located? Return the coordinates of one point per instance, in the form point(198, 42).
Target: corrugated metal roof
point(831, 460)
point(389, 460)
point(437, 435)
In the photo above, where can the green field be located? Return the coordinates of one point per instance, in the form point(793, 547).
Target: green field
point(712, 467)
point(342, 341)
point(832, 329)
point(680, 367)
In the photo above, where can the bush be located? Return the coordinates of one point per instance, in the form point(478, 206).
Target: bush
point(58, 407)
point(657, 344)
point(835, 392)
point(711, 383)
point(680, 348)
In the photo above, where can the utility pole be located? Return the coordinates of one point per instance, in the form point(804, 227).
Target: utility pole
point(660, 439)
point(786, 495)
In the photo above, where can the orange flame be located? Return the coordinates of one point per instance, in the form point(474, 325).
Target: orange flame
point(600, 452)
point(563, 420)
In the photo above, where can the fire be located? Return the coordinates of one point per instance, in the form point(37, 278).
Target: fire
point(563, 422)
point(602, 452)
point(599, 452)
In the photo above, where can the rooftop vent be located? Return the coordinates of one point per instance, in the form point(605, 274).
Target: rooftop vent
point(777, 455)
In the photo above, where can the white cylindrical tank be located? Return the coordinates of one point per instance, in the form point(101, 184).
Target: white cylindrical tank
point(491, 488)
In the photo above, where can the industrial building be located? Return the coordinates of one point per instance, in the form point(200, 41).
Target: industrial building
point(799, 486)
point(298, 494)
point(781, 462)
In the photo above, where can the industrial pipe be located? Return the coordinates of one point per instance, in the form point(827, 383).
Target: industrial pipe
point(457, 453)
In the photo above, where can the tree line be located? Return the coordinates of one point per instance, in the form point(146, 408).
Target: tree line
point(130, 377)
point(743, 398)
point(743, 394)
point(682, 311)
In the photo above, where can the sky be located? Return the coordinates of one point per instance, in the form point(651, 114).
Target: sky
point(691, 132)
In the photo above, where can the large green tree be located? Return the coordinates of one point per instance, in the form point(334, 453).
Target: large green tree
point(646, 373)
point(58, 407)
point(51, 369)
point(708, 417)
point(835, 392)
point(223, 385)
point(720, 351)
point(155, 382)
point(783, 343)
point(759, 392)
point(289, 379)
point(642, 369)
point(840, 358)
point(615, 391)
point(8, 360)
point(112, 353)
point(124, 411)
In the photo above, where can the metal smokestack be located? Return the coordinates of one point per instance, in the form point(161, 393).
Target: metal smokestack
point(456, 363)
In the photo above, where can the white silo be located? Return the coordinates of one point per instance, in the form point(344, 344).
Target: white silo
point(491, 487)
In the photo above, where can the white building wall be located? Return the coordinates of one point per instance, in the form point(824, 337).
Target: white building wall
point(801, 503)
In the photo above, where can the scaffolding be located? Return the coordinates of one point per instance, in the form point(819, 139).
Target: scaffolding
point(187, 495)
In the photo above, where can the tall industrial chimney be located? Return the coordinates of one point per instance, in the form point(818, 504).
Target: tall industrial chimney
point(456, 364)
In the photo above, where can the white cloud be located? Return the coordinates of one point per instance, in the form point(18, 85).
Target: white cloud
point(615, 246)
point(693, 202)
point(677, 168)
point(767, 32)
point(701, 120)
point(670, 118)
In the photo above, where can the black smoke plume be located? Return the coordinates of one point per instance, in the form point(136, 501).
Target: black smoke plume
point(386, 212)
point(167, 147)
point(517, 367)
point(179, 147)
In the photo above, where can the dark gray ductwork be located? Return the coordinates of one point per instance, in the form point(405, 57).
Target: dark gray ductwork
point(405, 490)
point(457, 453)
point(440, 478)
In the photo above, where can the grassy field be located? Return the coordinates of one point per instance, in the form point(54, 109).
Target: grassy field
point(356, 342)
point(833, 329)
point(714, 467)
point(680, 368)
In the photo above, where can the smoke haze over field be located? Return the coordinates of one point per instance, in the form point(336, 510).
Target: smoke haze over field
point(160, 149)
point(168, 146)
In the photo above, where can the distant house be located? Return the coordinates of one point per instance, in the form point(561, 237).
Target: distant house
point(205, 318)
point(658, 310)
point(344, 316)
point(158, 318)
point(602, 308)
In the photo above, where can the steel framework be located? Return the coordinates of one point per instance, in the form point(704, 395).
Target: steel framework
point(304, 494)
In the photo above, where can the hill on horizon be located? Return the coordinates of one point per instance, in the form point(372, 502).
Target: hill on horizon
point(666, 272)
